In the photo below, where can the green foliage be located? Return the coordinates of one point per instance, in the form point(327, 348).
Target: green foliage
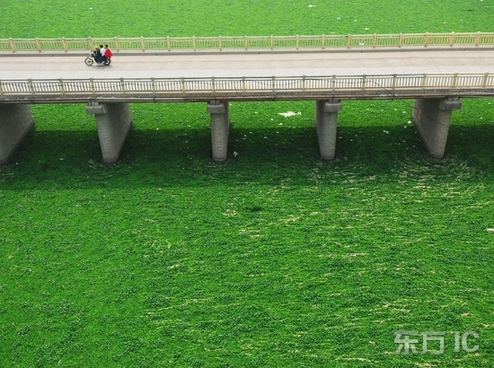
point(149, 18)
point(273, 259)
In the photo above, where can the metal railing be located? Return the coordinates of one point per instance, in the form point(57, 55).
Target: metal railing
point(245, 43)
point(242, 88)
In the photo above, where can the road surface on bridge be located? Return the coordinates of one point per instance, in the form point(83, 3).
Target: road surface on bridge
point(250, 64)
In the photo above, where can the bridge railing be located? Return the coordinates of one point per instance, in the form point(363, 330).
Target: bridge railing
point(279, 43)
point(252, 87)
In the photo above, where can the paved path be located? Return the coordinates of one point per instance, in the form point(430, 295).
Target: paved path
point(251, 64)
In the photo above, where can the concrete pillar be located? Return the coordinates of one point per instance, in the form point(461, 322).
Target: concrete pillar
point(113, 121)
point(431, 117)
point(220, 125)
point(326, 121)
point(16, 121)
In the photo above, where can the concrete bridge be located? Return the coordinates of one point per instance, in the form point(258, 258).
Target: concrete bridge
point(435, 76)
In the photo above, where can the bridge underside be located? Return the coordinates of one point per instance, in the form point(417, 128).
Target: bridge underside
point(431, 117)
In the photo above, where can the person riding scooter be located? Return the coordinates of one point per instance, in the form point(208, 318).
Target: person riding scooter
point(96, 54)
point(108, 52)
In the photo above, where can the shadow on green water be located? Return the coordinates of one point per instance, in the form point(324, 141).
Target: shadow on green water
point(72, 159)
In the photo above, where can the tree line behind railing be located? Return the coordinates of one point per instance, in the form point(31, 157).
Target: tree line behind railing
point(366, 41)
point(238, 86)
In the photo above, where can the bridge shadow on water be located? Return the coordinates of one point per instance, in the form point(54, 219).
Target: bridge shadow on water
point(182, 157)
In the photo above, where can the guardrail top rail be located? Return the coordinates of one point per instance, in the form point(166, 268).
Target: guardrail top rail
point(246, 43)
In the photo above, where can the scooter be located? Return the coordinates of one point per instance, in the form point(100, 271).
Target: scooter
point(91, 59)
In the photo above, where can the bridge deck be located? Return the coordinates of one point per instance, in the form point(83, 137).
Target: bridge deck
point(251, 64)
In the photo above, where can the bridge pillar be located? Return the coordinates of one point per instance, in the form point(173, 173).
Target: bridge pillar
point(220, 125)
point(113, 121)
point(16, 121)
point(431, 117)
point(326, 120)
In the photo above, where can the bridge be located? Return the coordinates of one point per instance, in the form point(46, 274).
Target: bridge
point(435, 70)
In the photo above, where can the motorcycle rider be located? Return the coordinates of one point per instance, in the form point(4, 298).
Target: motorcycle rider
point(108, 52)
point(102, 51)
point(96, 54)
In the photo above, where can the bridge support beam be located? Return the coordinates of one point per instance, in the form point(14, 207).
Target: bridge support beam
point(16, 121)
point(113, 121)
point(432, 117)
point(220, 125)
point(326, 118)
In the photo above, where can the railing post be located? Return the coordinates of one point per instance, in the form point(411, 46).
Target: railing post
point(220, 43)
point(246, 42)
point(194, 43)
point(477, 38)
point(64, 44)
point(122, 85)
point(400, 40)
point(364, 80)
point(273, 84)
point(424, 79)
point(12, 45)
point(62, 87)
point(38, 45)
point(393, 87)
point(143, 48)
point(90, 43)
point(333, 83)
point(374, 41)
point(272, 42)
point(183, 84)
point(168, 46)
point(116, 43)
point(153, 85)
point(455, 80)
point(426, 39)
point(484, 82)
point(31, 87)
point(323, 41)
point(243, 84)
point(452, 39)
point(348, 41)
point(296, 42)
point(303, 83)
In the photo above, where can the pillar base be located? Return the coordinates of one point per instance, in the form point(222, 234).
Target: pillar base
point(113, 121)
point(326, 122)
point(16, 121)
point(220, 125)
point(432, 117)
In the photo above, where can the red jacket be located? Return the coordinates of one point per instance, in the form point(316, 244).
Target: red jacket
point(108, 53)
